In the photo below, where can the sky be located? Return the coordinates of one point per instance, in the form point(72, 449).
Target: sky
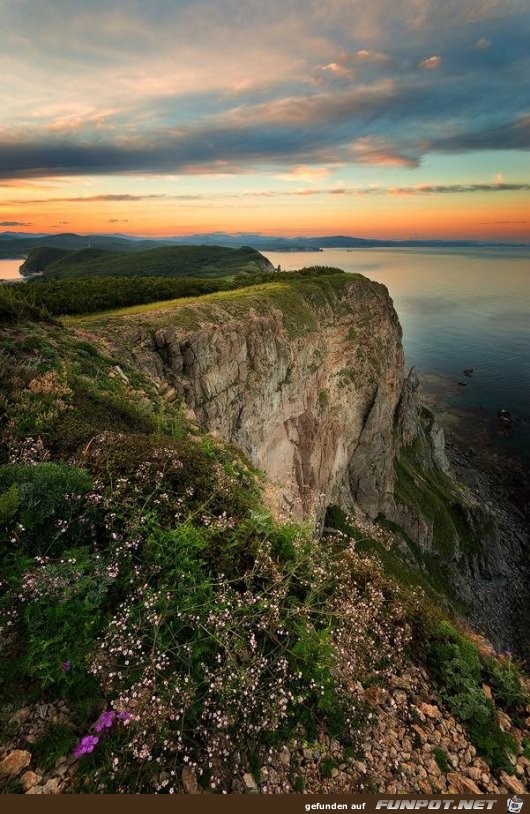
point(375, 118)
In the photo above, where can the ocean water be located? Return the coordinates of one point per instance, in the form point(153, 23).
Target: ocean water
point(9, 269)
point(459, 309)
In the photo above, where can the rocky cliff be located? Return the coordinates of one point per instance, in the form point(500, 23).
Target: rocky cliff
point(307, 378)
point(306, 382)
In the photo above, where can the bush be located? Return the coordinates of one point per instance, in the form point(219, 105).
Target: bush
point(505, 680)
point(40, 504)
point(17, 305)
point(456, 667)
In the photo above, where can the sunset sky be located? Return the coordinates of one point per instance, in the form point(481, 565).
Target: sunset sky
point(376, 118)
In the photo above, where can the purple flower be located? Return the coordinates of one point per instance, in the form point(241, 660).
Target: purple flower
point(124, 716)
point(66, 665)
point(85, 746)
point(105, 720)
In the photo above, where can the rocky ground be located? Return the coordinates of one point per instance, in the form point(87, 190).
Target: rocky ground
point(412, 745)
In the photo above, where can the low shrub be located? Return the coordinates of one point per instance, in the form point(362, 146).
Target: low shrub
point(455, 664)
point(40, 505)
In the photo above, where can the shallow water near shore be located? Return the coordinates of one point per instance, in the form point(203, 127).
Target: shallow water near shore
point(9, 269)
point(460, 310)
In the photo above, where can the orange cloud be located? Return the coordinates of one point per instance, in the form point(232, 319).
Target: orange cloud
point(431, 63)
point(377, 151)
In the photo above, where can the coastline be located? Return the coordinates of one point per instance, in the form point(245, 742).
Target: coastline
point(498, 478)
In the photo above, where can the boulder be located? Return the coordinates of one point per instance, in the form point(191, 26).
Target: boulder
point(458, 784)
point(15, 762)
point(512, 784)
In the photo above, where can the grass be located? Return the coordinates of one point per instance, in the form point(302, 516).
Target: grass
point(440, 756)
point(298, 298)
point(459, 672)
point(57, 741)
point(433, 495)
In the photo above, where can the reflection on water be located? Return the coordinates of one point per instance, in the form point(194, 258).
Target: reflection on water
point(459, 309)
point(9, 269)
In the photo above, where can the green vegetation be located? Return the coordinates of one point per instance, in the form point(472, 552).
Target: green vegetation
point(132, 547)
point(42, 299)
point(440, 756)
point(171, 261)
point(459, 671)
point(145, 583)
point(57, 741)
point(391, 558)
point(327, 766)
point(432, 494)
point(16, 306)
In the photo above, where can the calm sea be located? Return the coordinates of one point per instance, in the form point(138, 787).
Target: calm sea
point(459, 309)
point(9, 269)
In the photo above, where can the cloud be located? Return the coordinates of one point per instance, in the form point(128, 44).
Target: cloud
point(369, 57)
point(380, 153)
point(219, 87)
point(13, 223)
point(114, 198)
point(430, 63)
point(337, 69)
point(375, 189)
point(303, 173)
point(513, 135)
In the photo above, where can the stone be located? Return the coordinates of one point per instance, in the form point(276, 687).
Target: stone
point(459, 784)
point(170, 395)
point(402, 682)
point(20, 717)
point(420, 733)
point(487, 691)
point(512, 784)
point(430, 711)
point(29, 779)
point(360, 766)
point(119, 372)
point(189, 780)
point(35, 790)
point(249, 783)
point(375, 696)
point(505, 722)
point(15, 762)
point(53, 786)
point(285, 757)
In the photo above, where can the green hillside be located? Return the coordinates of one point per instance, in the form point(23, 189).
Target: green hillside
point(165, 261)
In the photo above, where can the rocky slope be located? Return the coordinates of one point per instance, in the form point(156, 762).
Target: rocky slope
point(310, 385)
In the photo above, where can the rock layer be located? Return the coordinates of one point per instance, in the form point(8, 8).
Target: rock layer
point(311, 404)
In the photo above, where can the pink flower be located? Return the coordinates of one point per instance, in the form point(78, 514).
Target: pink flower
point(105, 720)
point(85, 746)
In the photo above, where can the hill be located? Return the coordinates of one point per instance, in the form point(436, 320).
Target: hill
point(163, 261)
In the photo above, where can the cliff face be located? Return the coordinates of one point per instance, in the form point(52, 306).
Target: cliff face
point(306, 388)
point(307, 379)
